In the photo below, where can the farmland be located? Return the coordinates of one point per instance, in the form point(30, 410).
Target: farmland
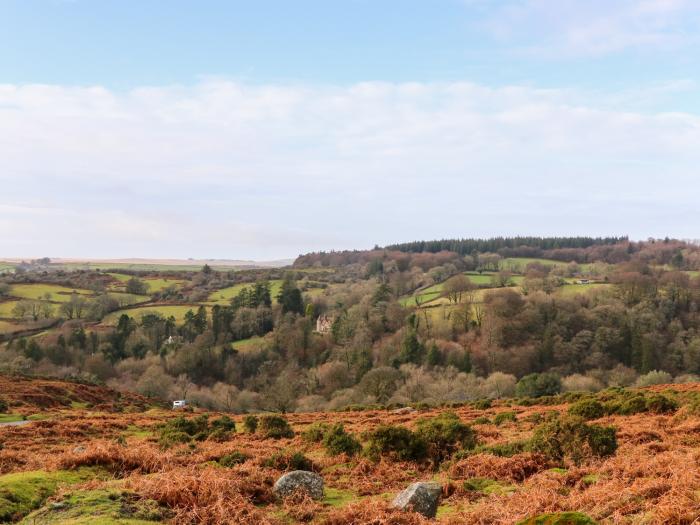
point(40, 291)
point(155, 284)
point(91, 455)
point(225, 295)
point(166, 310)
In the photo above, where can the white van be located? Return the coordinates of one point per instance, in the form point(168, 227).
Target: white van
point(181, 403)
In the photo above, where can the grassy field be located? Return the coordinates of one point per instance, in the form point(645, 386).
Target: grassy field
point(570, 290)
point(518, 264)
point(245, 345)
point(432, 293)
point(224, 296)
point(143, 267)
point(127, 299)
point(39, 290)
point(6, 308)
point(178, 311)
point(156, 284)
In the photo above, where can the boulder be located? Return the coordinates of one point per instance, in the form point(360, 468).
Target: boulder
point(422, 497)
point(309, 482)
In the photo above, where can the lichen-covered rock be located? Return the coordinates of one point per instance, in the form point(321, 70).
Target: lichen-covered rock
point(303, 480)
point(422, 497)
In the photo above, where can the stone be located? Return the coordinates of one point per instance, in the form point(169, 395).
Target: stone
point(79, 449)
point(309, 482)
point(422, 497)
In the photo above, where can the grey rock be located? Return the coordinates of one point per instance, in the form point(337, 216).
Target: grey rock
point(79, 449)
point(422, 497)
point(309, 482)
point(403, 410)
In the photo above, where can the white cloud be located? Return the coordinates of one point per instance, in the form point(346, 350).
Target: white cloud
point(224, 169)
point(594, 27)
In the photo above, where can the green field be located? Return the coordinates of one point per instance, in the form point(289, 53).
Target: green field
point(224, 296)
point(246, 345)
point(570, 290)
point(518, 264)
point(6, 308)
point(142, 267)
point(178, 311)
point(39, 290)
point(127, 299)
point(433, 293)
point(155, 284)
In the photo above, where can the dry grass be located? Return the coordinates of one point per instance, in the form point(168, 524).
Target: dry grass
point(654, 478)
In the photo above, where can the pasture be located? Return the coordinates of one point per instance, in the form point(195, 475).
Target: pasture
point(38, 291)
point(6, 309)
point(155, 284)
point(178, 311)
point(127, 299)
point(224, 295)
point(8, 328)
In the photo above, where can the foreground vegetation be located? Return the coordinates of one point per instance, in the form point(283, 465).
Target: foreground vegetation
point(618, 456)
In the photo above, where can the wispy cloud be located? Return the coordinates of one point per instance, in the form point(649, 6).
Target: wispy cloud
point(225, 169)
point(571, 28)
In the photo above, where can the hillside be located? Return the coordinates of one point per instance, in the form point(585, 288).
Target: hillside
point(104, 467)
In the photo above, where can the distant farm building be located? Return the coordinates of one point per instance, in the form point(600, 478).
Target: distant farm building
point(324, 324)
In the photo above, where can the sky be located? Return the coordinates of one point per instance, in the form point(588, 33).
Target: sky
point(263, 129)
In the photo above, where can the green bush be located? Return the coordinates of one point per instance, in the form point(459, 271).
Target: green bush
point(173, 437)
point(315, 432)
point(234, 458)
point(224, 423)
point(444, 435)
point(286, 460)
point(275, 427)
point(559, 518)
point(504, 417)
point(660, 404)
point(337, 441)
point(504, 450)
point(482, 404)
point(3, 406)
point(482, 420)
point(587, 409)
point(571, 437)
point(396, 442)
point(633, 405)
point(250, 424)
point(538, 385)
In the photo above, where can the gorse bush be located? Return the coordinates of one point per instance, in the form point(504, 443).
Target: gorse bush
point(571, 437)
point(250, 424)
point(587, 409)
point(444, 435)
point(288, 460)
point(538, 385)
point(183, 430)
point(337, 441)
point(3, 406)
point(660, 404)
point(504, 417)
point(233, 459)
point(395, 442)
point(315, 432)
point(275, 427)
point(482, 404)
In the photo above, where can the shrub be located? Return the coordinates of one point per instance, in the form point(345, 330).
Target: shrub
point(224, 423)
point(633, 405)
point(250, 424)
point(286, 460)
point(538, 385)
point(170, 438)
point(558, 518)
point(571, 437)
point(660, 404)
point(315, 432)
point(182, 430)
point(587, 409)
point(482, 404)
point(233, 459)
point(503, 450)
point(482, 420)
point(337, 441)
point(444, 434)
point(503, 417)
point(655, 377)
point(275, 427)
point(3, 406)
point(396, 442)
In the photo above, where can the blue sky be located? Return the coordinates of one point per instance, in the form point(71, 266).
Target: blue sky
point(264, 129)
